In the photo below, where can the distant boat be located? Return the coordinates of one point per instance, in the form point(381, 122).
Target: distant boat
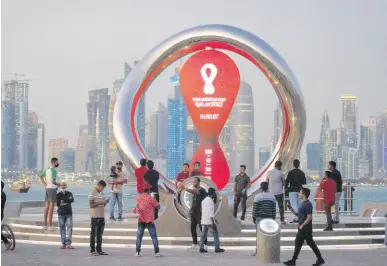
point(21, 186)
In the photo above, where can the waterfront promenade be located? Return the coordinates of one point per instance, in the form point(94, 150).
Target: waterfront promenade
point(46, 255)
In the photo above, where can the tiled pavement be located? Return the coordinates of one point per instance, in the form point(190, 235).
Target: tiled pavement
point(44, 255)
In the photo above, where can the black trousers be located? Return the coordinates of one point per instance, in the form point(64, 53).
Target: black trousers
point(3, 238)
point(240, 199)
point(195, 222)
point(280, 201)
point(97, 227)
point(306, 234)
point(157, 198)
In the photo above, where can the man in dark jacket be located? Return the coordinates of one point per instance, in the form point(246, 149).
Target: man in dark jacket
point(3, 200)
point(152, 178)
point(336, 175)
point(65, 215)
point(294, 181)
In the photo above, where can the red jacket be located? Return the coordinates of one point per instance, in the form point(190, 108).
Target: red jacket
point(139, 173)
point(329, 187)
point(182, 176)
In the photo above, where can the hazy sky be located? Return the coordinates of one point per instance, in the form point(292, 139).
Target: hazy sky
point(69, 47)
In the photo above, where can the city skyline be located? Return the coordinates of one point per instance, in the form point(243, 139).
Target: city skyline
point(61, 62)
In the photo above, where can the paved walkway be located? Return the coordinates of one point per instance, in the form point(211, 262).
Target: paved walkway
point(42, 255)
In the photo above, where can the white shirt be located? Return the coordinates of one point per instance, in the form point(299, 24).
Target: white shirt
point(276, 179)
point(208, 210)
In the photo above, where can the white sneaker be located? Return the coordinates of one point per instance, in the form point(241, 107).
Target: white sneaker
point(193, 247)
point(45, 227)
point(158, 254)
point(205, 247)
point(51, 228)
point(137, 254)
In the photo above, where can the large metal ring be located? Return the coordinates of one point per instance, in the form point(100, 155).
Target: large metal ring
point(198, 38)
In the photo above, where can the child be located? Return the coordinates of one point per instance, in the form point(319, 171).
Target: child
point(112, 176)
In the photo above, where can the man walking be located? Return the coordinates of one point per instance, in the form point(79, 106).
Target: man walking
point(198, 195)
point(276, 180)
point(152, 177)
point(145, 205)
point(140, 173)
point(117, 191)
point(48, 178)
point(242, 182)
point(65, 215)
point(208, 221)
point(294, 181)
point(305, 232)
point(97, 203)
point(336, 175)
point(183, 175)
point(328, 186)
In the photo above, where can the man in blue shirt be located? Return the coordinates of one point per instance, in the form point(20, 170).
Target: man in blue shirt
point(305, 233)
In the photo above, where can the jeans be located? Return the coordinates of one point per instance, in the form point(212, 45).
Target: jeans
point(66, 228)
point(97, 227)
point(152, 232)
point(157, 198)
point(116, 197)
point(294, 202)
point(328, 213)
point(305, 234)
point(240, 199)
point(203, 237)
point(337, 206)
point(280, 201)
point(195, 222)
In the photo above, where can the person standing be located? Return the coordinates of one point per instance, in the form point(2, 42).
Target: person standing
point(145, 205)
point(152, 177)
point(195, 212)
point(97, 203)
point(305, 231)
point(48, 178)
point(242, 183)
point(208, 221)
point(117, 191)
point(348, 197)
point(7, 243)
point(140, 173)
point(328, 187)
point(65, 215)
point(276, 179)
point(336, 175)
point(293, 184)
point(183, 175)
point(264, 205)
point(196, 170)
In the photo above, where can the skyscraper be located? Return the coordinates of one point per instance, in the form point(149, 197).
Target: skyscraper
point(368, 145)
point(225, 141)
point(177, 129)
point(192, 140)
point(67, 160)
point(56, 146)
point(162, 129)
point(348, 120)
point(381, 145)
point(81, 151)
point(41, 147)
point(117, 84)
point(16, 92)
point(313, 156)
point(7, 134)
point(32, 145)
point(324, 134)
point(153, 134)
point(242, 117)
point(98, 131)
point(264, 156)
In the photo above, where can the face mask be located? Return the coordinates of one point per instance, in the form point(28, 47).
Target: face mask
point(119, 168)
point(57, 164)
point(63, 190)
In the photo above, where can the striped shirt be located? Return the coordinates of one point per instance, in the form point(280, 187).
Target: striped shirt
point(264, 206)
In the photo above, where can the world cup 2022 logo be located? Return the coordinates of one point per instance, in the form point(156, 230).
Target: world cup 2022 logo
point(210, 82)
